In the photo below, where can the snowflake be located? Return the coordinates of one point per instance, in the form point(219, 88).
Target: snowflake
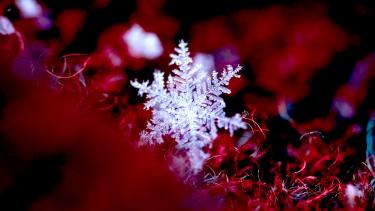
point(143, 44)
point(6, 27)
point(188, 107)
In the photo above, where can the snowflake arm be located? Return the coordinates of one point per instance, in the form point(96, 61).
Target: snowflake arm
point(142, 87)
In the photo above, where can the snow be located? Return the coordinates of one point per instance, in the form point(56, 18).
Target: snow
point(188, 107)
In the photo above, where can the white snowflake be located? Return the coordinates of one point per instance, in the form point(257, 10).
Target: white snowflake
point(188, 107)
point(143, 44)
point(29, 8)
point(6, 27)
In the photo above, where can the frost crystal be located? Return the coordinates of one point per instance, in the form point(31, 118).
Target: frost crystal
point(188, 107)
point(6, 27)
point(143, 44)
point(29, 8)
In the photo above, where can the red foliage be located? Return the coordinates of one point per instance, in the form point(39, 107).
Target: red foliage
point(80, 111)
point(100, 171)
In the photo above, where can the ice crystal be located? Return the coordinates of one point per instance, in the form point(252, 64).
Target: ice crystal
point(6, 27)
point(188, 107)
point(142, 44)
point(29, 8)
